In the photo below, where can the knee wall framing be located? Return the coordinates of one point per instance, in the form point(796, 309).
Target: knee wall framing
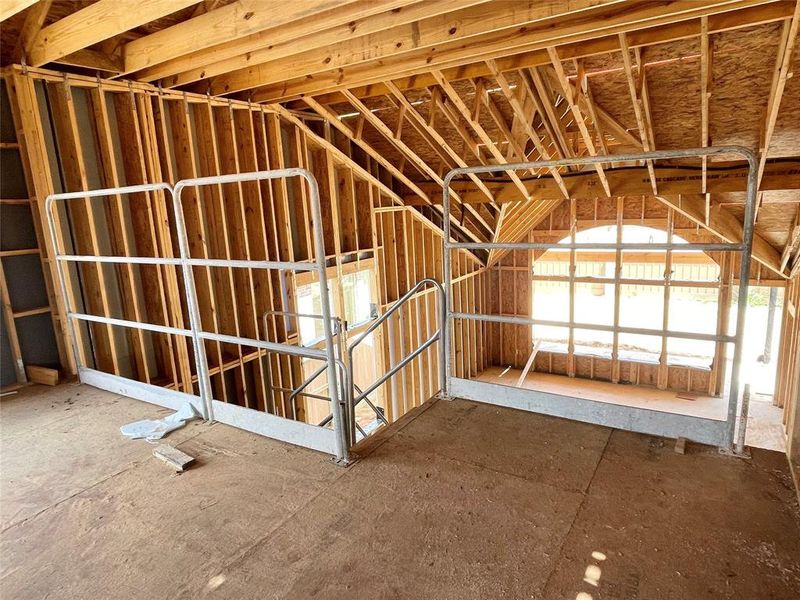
point(83, 134)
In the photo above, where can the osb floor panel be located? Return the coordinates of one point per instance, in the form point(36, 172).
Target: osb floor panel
point(459, 500)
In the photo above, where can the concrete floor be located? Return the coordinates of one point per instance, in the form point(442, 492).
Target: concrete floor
point(458, 500)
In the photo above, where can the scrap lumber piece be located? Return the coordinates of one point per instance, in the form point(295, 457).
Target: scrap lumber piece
point(173, 457)
point(529, 364)
point(42, 375)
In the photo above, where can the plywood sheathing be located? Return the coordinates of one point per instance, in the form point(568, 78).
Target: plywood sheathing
point(386, 111)
point(742, 63)
point(786, 138)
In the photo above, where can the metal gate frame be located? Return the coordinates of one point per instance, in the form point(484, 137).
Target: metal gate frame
point(331, 441)
point(700, 429)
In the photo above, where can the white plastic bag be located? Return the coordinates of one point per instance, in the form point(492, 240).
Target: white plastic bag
point(152, 430)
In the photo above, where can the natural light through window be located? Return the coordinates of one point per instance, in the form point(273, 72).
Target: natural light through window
point(642, 293)
point(356, 300)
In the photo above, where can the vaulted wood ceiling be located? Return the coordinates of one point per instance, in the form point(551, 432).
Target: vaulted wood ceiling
point(428, 85)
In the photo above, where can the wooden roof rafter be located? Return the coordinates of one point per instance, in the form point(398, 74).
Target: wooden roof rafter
point(331, 117)
point(585, 98)
point(735, 17)
point(454, 118)
point(429, 127)
point(406, 151)
point(792, 247)
point(638, 107)
point(404, 115)
point(12, 7)
point(97, 22)
point(782, 73)
point(706, 51)
point(325, 29)
point(34, 21)
point(607, 20)
point(230, 22)
point(484, 137)
point(515, 148)
point(569, 95)
point(518, 109)
point(724, 224)
point(538, 90)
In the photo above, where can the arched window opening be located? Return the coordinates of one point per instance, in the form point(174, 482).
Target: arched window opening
point(664, 291)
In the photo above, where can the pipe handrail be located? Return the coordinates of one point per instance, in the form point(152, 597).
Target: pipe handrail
point(393, 308)
point(407, 359)
point(377, 322)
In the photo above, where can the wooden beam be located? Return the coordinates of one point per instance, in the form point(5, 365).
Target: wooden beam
point(346, 160)
point(585, 94)
point(325, 29)
point(515, 148)
point(516, 106)
point(781, 75)
point(404, 149)
point(11, 328)
point(638, 106)
point(543, 99)
point(634, 181)
point(450, 27)
point(568, 94)
point(529, 364)
point(724, 224)
point(452, 116)
point(95, 23)
point(724, 21)
point(236, 20)
point(588, 25)
point(412, 111)
point(529, 111)
point(12, 7)
point(30, 29)
point(335, 121)
point(615, 128)
point(793, 241)
point(705, 95)
point(644, 95)
point(95, 60)
point(458, 103)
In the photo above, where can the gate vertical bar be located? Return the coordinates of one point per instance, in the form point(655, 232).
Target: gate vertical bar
point(744, 284)
point(339, 425)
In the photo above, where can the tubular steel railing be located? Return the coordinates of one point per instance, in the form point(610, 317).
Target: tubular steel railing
point(659, 424)
point(263, 423)
point(358, 395)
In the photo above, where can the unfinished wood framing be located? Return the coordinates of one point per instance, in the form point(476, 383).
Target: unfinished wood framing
point(379, 100)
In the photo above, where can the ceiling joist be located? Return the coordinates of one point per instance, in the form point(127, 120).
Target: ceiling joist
point(97, 22)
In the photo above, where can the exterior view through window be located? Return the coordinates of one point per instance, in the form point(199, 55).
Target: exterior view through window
point(642, 294)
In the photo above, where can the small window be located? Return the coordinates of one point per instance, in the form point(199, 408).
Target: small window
point(358, 306)
point(309, 302)
point(357, 293)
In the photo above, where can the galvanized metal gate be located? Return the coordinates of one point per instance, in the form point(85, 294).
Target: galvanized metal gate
point(332, 441)
point(709, 431)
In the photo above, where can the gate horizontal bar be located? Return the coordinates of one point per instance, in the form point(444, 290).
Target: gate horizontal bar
point(130, 324)
point(274, 346)
point(718, 247)
point(516, 320)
